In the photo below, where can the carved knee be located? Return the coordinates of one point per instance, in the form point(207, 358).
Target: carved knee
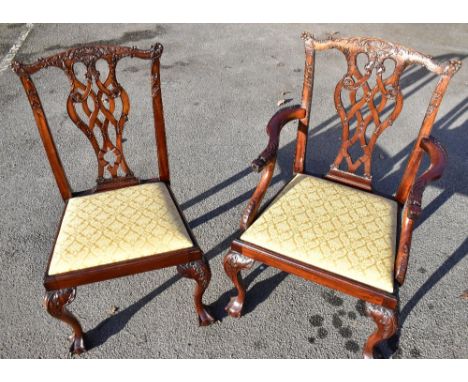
point(387, 325)
point(55, 303)
point(234, 262)
point(198, 270)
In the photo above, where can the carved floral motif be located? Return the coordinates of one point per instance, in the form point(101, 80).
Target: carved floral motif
point(197, 270)
point(88, 55)
point(237, 260)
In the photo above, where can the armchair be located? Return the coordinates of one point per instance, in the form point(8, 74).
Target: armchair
point(336, 231)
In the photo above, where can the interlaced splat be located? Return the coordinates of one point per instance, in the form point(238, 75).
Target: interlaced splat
point(99, 106)
point(374, 99)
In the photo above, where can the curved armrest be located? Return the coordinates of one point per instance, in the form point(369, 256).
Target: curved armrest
point(412, 211)
point(273, 129)
point(438, 158)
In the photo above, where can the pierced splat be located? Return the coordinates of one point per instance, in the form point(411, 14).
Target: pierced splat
point(370, 109)
point(99, 106)
point(374, 99)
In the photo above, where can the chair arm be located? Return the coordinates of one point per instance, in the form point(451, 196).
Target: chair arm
point(412, 211)
point(273, 129)
point(256, 199)
point(438, 158)
point(267, 160)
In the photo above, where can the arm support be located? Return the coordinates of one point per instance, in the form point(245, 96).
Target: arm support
point(438, 157)
point(412, 210)
point(256, 199)
point(267, 160)
point(281, 118)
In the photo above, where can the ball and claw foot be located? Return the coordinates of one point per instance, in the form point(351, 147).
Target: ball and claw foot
point(198, 270)
point(205, 318)
point(77, 347)
point(55, 303)
point(234, 307)
point(234, 262)
point(387, 326)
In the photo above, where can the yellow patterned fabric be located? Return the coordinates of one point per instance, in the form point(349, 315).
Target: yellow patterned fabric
point(118, 225)
point(331, 226)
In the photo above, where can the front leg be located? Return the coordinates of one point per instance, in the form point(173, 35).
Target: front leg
point(198, 270)
point(387, 326)
point(234, 262)
point(55, 303)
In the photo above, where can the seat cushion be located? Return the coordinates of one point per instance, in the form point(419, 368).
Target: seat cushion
point(331, 226)
point(118, 225)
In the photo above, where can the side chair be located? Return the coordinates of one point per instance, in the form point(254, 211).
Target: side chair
point(334, 230)
point(124, 225)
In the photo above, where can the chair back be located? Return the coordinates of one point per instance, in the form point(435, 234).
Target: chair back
point(99, 107)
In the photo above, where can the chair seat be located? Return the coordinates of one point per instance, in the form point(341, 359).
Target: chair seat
point(334, 227)
point(118, 225)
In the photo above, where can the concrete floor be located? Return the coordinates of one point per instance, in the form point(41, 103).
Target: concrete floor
point(221, 84)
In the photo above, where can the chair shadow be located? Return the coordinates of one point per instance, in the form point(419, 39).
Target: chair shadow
point(453, 139)
point(391, 347)
point(321, 135)
point(457, 256)
point(254, 296)
point(115, 323)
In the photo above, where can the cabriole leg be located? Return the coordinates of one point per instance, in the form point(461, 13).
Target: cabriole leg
point(234, 262)
point(55, 303)
point(198, 270)
point(387, 326)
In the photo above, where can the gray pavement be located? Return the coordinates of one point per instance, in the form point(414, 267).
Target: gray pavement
point(221, 84)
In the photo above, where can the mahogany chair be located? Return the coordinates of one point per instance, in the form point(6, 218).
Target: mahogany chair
point(334, 230)
point(124, 225)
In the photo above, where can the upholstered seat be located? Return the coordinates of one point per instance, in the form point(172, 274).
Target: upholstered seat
point(113, 226)
point(331, 226)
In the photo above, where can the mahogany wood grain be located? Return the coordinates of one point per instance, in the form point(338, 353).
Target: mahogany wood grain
point(303, 123)
point(274, 127)
point(413, 207)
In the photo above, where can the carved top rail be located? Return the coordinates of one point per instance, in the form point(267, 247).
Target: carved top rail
point(368, 104)
point(88, 55)
point(97, 100)
point(378, 50)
